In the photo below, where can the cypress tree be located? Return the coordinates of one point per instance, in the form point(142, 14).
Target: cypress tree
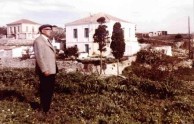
point(100, 36)
point(118, 43)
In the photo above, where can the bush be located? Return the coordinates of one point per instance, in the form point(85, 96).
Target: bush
point(156, 59)
point(152, 73)
point(149, 57)
point(72, 51)
point(178, 37)
point(142, 40)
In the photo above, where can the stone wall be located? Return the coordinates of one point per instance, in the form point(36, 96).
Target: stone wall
point(17, 63)
point(69, 66)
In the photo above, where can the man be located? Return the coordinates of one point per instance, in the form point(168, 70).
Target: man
point(46, 67)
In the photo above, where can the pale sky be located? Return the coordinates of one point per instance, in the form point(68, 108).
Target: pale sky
point(148, 15)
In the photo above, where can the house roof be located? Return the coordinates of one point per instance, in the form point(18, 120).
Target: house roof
point(22, 21)
point(93, 19)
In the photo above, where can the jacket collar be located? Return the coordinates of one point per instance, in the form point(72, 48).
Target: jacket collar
point(46, 39)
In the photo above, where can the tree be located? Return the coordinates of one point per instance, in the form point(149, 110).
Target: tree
point(118, 43)
point(100, 36)
point(178, 37)
point(72, 51)
point(58, 33)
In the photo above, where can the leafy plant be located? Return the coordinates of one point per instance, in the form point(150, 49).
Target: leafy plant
point(72, 51)
point(178, 37)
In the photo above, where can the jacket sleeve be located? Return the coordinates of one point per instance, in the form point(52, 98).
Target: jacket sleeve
point(39, 55)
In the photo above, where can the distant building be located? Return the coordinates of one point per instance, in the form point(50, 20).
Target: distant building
point(150, 34)
point(157, 33)
point(56, 44)
point(164, 32)
point(142, 35)
point(22, 29)
point(164, 49)
point(12, 51)
point(80, 33)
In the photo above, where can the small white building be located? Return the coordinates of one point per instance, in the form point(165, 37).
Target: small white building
point(14, 51)
point(23, 29)
point(157, 33)
point(56, 44)
point(80, 33)
point(164, 49)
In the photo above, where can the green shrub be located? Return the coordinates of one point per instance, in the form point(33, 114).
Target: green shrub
point(154, 65)
point(143, 40)
point(72, 51)
point(150, 57)
point(178, 37)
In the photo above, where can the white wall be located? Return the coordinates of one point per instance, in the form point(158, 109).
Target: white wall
point(22, 33)
point(129, 31)
point(17, 52)
point(80, 41)
point(165, 49)
point(55, 44)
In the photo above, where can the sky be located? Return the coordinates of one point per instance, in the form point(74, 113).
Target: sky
point(147, 15)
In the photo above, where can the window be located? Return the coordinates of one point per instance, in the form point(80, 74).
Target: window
point(33, 29)
point(14, 30)
point(26, 28)
point(11, 30)
point(75, 33)
point(18, 28)
point(86, 32)
point(87, 48)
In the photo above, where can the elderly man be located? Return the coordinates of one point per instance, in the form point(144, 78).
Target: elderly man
point(46, 67)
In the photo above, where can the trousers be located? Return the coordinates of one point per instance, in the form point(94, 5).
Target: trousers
point(46, 90)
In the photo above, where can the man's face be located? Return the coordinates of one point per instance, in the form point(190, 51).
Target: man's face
point(47, 31)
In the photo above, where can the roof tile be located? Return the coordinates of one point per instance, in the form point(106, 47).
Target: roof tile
point(93, 19)
point(22, 21)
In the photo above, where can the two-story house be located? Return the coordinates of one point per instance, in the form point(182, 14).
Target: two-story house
point(80, 33)
point(22, 29)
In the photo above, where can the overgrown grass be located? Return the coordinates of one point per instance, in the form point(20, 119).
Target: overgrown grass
point(81, 99)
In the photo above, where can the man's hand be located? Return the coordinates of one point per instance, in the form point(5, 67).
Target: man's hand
point(46, 73)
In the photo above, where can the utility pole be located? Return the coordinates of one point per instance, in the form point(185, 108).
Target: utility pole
point(190, 53)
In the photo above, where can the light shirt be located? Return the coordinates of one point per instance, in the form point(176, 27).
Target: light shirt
point(46, 38)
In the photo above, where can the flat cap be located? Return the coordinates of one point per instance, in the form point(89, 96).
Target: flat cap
point(44, 26)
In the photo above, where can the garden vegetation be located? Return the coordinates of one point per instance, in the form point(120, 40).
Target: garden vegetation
point(81, 99)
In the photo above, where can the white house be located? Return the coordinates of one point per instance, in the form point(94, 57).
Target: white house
point(80, 33)
point(56, 44)
point(22, 29)
point(157, 33)
point(13, 51)
point(165, 49)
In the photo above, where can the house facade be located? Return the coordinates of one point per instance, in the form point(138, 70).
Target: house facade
point(22, 29)
point(13, 51)
point(80, 33)
point(157, 33)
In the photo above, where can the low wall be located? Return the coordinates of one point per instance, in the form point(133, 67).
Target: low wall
point(68, 66)
point(17, 63)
